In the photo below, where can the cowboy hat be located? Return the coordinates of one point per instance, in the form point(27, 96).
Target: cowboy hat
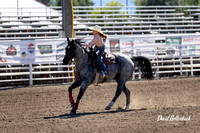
point(96, 28)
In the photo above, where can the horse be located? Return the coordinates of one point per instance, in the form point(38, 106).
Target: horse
point(85, 72)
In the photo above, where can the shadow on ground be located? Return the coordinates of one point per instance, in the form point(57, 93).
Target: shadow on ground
point(68, 115)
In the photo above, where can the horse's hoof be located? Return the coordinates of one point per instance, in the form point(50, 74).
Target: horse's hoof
point(72, 105)
point(72, 112)
point(107, 108)
point(126, 107)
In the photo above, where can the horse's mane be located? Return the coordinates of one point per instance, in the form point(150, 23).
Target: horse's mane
point(89, 52)
point(79, 42)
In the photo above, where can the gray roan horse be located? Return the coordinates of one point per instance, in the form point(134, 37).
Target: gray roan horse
point(120, 72)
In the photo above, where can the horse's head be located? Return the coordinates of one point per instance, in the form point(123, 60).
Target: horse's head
point(70, 51)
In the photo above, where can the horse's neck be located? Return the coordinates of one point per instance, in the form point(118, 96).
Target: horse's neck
point(81, 58)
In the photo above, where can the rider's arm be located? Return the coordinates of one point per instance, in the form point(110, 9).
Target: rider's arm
point(90, 44)
point(93, 42)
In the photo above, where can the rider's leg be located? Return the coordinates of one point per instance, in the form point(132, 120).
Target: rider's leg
point(100, 62)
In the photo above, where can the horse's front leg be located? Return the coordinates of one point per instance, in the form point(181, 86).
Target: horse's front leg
point(75, 84)
point(84, 85)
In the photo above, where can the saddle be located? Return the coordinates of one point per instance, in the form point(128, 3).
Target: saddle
point(107, 58)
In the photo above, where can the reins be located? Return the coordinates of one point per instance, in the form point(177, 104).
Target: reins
point(77, 73)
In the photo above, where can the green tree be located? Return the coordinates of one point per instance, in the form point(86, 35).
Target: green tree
point(45, 2)
point(75, 3)
point(83, 3)
point(114, 3)
point(111, 10)
point(154, 2)
point(165, 2)
point(189, 2)
point(111, 3)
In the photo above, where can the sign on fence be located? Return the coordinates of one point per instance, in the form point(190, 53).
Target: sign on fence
point(191, 45)
point(127, 47)
point(173, 46)
point(26, 52)
point(52, 51)
point(145, 47)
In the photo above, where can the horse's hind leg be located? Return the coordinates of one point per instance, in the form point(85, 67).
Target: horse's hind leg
point(127, 93)
point(117, 94)
point(75, 84)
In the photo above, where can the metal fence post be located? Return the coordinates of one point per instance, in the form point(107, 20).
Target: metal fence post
point(30, 74)
point(181, 60)
point(133, 75)
point(191, 63)
point(132, 54)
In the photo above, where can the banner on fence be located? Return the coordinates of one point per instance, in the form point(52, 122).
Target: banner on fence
point(145, 47)
point(10, 52)
point(173, 46)
point(191, 45)
point(52, 51)
point(114, 46)
point(31, 51)
point(190, 39)
point(127, 47)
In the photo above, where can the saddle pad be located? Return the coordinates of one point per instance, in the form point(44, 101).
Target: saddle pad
point(109, 59)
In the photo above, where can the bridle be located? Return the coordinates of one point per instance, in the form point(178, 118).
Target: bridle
point(71, 57)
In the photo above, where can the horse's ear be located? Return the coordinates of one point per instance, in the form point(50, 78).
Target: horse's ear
point(73, 42)
point(68, 40)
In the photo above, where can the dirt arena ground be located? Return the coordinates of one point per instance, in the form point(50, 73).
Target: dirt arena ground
point(46, 108)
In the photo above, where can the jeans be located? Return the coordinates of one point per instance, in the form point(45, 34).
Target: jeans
point(100, 62)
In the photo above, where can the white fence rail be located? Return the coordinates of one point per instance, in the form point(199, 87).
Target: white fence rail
point(40, 61)
point(36, 73)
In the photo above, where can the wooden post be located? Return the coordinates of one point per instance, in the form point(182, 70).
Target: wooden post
point(73, 72)
point(67, 18)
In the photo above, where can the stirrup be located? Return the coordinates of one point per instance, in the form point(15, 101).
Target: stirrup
point(104, 74)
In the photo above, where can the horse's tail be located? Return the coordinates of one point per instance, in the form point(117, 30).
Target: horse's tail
point(144, 66)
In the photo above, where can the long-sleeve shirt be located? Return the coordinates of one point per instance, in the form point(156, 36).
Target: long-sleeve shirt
point(97, 40)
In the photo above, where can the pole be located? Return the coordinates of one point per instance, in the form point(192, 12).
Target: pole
point(73, 72)
point(101, 3)
point(17, 8)
point(181, 61)
point(127, 6)
point(30, 75)
point(191, 63)
point(67, 18)
point(132, 49)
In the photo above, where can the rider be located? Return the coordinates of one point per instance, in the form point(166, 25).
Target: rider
point(99, 46)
